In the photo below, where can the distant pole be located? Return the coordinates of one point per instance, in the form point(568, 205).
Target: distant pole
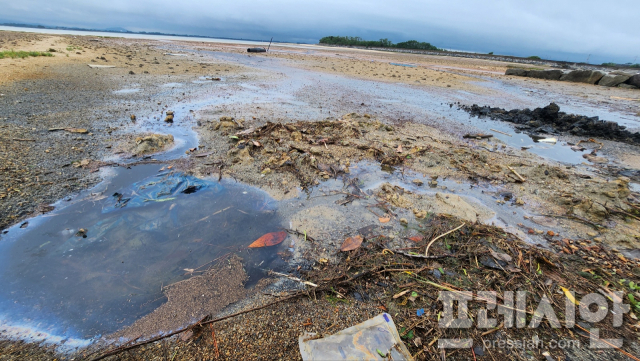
point(270, 43)
point(588, 58)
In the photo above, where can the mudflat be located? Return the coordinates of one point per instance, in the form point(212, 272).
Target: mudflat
point(334, 143)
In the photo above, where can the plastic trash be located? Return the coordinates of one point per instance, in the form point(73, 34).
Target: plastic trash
point(369, 340)
point(158, 189)
point(548, 140)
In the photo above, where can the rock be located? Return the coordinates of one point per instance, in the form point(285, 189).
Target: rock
point(240, 155)
point(419, 213)
point(454, 205)
point(634, 80)
point(404, 221)
point(417, 182)
point(613, 79)
point(152, 143)
point(546, 74)
point(226, 122)
point(517, 72)
point(583, 76)
point(627, 86)
point(169, 117)
point(83, 163)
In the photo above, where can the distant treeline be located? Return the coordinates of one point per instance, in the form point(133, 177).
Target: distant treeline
point(382, 43)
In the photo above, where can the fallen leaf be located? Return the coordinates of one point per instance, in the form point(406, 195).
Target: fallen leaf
point(400, 293)
point(399, 150)
point(416, 238)
point(501, 256)
point(257, 144)
point(569, 296)
point(246, 131)
point(351, 243)
point(384, 220)
point(269, 239)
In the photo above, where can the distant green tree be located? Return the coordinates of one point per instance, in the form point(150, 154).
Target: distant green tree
point(535, 57)
point(383, 43)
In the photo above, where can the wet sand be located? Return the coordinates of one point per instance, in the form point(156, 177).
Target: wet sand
point(405, 106)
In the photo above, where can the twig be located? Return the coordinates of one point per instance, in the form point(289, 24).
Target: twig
point(215, 342)
point(421, 256)
point(426, 251)
point(517, 175)
point(497, 131)
point(293, 278)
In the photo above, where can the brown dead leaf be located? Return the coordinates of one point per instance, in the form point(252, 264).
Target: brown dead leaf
point(384, 219)
point(269, 239)
point(416, 238)
point(351, 243)
point(399, 150)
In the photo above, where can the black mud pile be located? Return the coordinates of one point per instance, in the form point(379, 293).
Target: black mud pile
point(551, 120)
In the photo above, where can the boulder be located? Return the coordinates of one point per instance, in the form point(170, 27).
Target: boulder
point(613, 79)
point(546, 74)
point(517, 72)
point(583, 76)
point(634, 80)
point(627, 86)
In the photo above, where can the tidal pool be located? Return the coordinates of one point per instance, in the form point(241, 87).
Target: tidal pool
point(99, 263)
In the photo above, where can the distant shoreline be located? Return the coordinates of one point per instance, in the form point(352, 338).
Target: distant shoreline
point(124, 31)
point(504, 58)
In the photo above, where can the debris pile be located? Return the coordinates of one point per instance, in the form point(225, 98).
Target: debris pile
point(407, 283)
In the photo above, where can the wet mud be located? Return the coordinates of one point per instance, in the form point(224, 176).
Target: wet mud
point(324, 147)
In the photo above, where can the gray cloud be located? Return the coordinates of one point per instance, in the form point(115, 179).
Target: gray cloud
point(564, 30)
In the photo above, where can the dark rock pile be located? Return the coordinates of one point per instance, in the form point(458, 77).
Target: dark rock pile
point(551, 120)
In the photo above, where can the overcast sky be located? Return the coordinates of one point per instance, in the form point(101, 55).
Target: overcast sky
point(560, 29)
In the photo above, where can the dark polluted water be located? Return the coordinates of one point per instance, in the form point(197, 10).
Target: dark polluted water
point(98, 264)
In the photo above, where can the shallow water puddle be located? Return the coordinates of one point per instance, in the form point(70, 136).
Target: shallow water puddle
point(127, 91)
point(99, 264)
